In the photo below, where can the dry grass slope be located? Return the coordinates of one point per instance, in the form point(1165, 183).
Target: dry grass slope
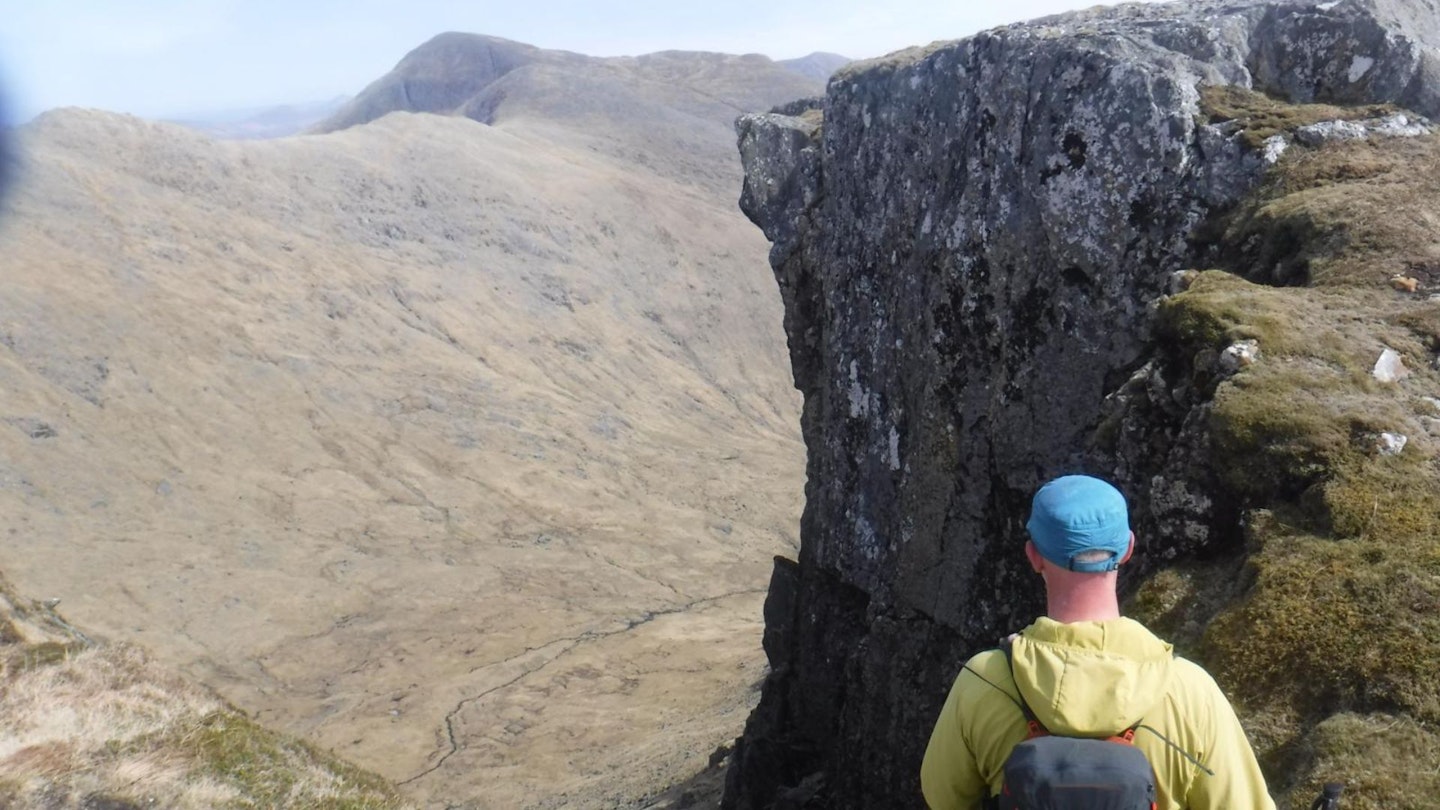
point(90, 725)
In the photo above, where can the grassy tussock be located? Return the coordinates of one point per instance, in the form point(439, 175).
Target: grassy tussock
point(1263, 117)
point(1345, 739)
point(273, 770)
point(1328, 631)
point(1353, 213)
point(101, 726)
point(71, 721)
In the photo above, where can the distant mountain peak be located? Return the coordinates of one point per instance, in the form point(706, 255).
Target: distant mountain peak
point(481, 77)
point(440, 76)
point(818, 65)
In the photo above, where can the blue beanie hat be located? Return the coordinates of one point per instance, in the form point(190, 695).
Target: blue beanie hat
point(1077, 513)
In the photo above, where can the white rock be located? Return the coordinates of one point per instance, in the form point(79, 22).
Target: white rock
point(1390, 368)
point(1400, 125)
point(1359, 67)
point(1180, 281)
point(1275, 147)
point(1326, 131)
point(1239, 355)
point(1392, 443)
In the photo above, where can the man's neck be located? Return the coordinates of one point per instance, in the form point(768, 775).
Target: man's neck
point(1083, 604)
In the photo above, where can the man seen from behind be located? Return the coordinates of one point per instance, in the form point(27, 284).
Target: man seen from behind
point(1084, 671)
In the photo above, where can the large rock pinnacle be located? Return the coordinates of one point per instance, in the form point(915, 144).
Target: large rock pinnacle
point(968, 246)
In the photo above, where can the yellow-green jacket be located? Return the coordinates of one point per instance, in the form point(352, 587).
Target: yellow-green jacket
point(1093, 679)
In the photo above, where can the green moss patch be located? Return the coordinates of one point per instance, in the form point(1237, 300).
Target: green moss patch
point(1220, 308)
point(1311, 405)
point(1327, 631)
point(1347, 748)
point(136, 715)
point(1337, 606)
point(1333, 625)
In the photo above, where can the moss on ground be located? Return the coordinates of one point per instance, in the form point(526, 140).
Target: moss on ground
point(1327, 632)
point(1353, 743)
point(1179, 602)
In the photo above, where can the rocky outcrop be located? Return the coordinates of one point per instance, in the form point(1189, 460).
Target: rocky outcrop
point(970, 240)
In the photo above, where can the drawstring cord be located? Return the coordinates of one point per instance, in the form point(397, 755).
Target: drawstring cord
point(1191, 757)
point(967, 668)
point(1178, 749)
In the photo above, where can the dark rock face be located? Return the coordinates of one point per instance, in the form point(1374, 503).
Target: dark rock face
point(969, 248)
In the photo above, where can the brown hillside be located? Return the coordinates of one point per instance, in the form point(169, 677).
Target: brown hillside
point(459, 449)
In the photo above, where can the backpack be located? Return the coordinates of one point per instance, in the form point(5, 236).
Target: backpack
point(1052, 772)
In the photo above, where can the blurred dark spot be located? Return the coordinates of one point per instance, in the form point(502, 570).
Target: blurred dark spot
point(1074, 146)
point(96, 801)
point(7, 137)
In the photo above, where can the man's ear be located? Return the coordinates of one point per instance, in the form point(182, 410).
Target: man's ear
point(1129, 551)
point(1033, 554)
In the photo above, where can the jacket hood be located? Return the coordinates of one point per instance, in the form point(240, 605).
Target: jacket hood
point(1091, 678)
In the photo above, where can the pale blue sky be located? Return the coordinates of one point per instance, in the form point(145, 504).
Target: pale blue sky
point(171, 57)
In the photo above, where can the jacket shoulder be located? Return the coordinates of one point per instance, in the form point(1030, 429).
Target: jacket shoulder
point(987, 660)
point(1194, 695)
point(987, 676)
point(1191, 679)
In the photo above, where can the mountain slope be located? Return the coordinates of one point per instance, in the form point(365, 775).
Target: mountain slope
point(671, 113)
point(460, 449)
point(441, 76)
